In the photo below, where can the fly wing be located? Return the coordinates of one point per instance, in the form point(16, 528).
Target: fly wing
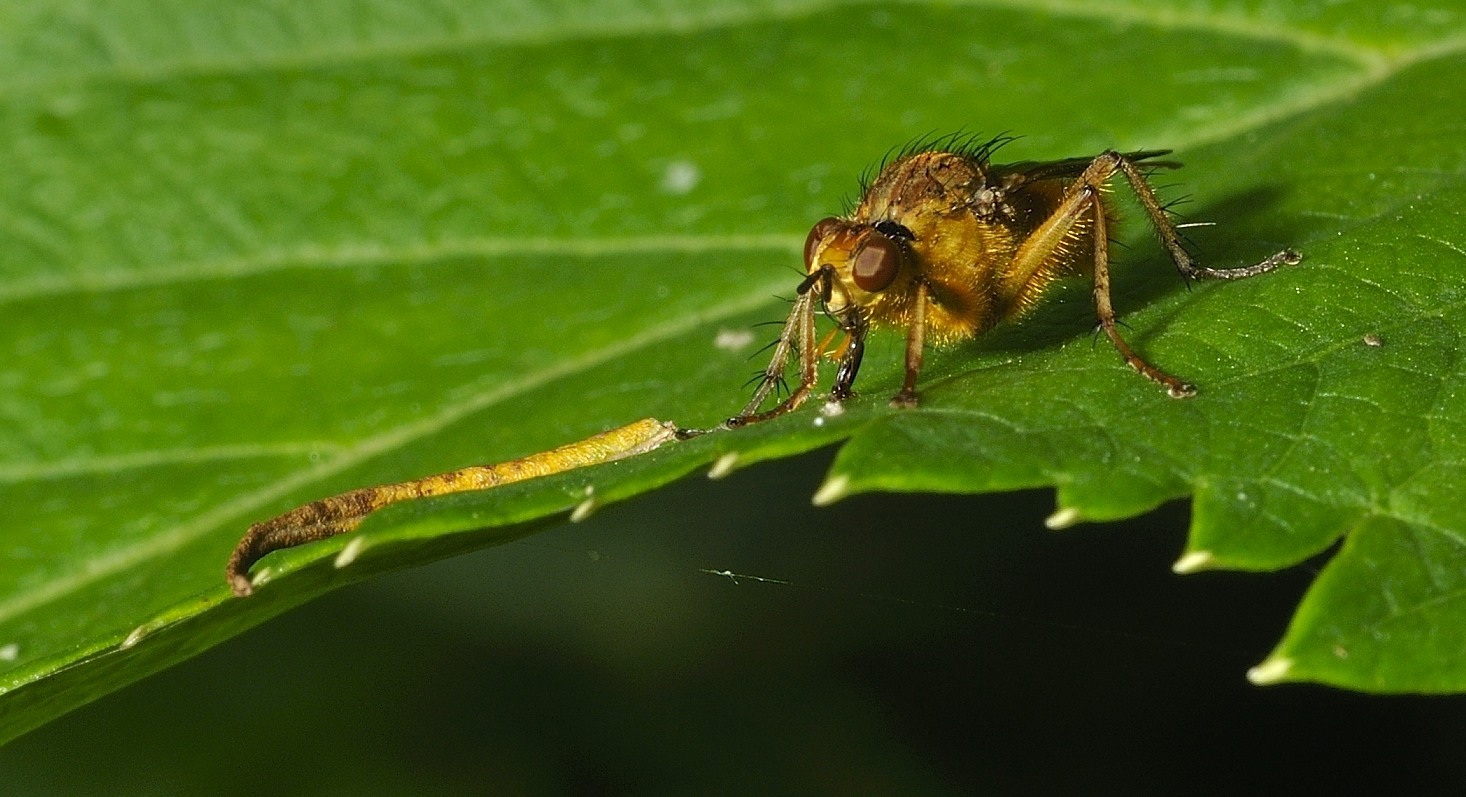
point(1069, 168)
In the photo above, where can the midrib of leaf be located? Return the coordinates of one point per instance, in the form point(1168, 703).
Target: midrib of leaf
point(356, 255)
point(168, 540)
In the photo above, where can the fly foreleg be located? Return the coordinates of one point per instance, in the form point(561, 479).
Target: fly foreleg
point(797, 335)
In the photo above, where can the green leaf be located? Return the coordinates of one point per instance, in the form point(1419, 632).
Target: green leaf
point(257, 254)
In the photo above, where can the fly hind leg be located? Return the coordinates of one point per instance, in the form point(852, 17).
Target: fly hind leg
point(1080, 214)
point(1176, 388)
point(1171, 239)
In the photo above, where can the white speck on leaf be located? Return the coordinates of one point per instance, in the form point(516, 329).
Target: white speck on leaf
point(733, 339)
point(680, 177)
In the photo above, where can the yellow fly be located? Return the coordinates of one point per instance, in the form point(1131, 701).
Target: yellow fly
point(946, 244)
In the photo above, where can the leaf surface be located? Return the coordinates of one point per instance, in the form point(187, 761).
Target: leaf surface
point(259, 255)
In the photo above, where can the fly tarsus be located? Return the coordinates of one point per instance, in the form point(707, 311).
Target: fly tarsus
point(1287, 257)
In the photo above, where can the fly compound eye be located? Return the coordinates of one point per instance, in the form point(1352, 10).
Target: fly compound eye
point(877, 263)
point(819, 232)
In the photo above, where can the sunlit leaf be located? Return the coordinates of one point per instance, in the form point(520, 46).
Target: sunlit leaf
point(254, 254)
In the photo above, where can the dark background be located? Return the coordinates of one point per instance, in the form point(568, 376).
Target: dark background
point(923, 645)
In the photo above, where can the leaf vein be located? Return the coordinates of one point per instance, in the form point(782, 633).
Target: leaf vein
point(133, 460)
point(358, 254)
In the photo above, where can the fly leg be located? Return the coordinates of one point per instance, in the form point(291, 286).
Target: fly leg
point(1175, 388)
point(1081, 213)
point(850, 360)
point(915, 344)
point(798, 333)
point(1170, 239)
